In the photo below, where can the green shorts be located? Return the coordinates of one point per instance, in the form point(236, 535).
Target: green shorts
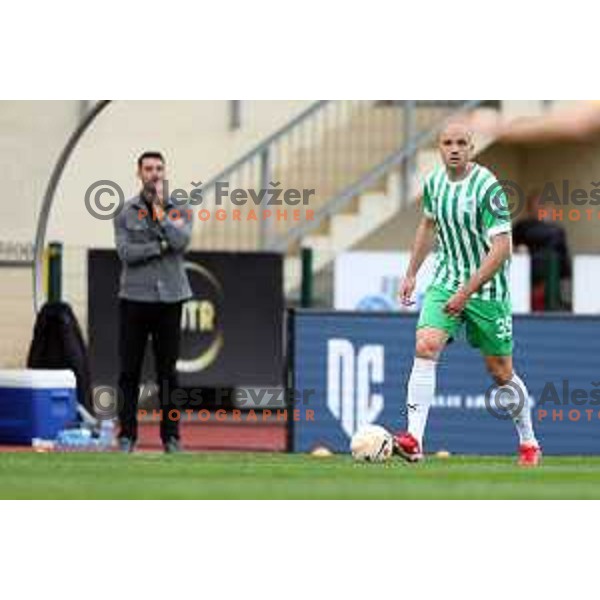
point(488, 322)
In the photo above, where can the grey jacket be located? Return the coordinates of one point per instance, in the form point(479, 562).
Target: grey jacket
point(152, 272)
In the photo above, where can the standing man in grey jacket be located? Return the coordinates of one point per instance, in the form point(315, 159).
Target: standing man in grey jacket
point(151, 234)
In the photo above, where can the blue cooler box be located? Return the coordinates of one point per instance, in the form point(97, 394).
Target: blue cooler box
point(35, 403)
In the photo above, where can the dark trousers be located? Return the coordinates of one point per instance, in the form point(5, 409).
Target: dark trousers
point(138, 321)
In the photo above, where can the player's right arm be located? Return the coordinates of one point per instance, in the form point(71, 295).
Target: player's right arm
point(577, 123)
point(421, 248)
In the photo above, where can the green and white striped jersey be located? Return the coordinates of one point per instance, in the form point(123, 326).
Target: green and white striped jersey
point(467, 214)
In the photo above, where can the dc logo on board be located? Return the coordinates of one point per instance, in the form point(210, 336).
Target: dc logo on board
point(351, 375)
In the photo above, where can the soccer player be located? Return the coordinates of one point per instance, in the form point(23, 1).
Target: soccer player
point(464, 205)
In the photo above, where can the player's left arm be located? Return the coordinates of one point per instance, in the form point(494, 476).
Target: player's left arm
point(496, 222)
point(499, 253)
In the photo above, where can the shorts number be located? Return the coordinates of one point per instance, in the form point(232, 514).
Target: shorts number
point(504, 327)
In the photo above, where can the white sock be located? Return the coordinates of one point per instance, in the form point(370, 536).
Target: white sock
point(521, 414)
point(421, 389)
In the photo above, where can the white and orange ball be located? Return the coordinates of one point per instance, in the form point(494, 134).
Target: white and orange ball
point(372, 443)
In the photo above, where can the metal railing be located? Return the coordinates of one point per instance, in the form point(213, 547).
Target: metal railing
point(252, 170)
point(335, 148)
point(403, 158)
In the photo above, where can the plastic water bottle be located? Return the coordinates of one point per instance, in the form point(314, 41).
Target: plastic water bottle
point(74, 439)
point(106, 438)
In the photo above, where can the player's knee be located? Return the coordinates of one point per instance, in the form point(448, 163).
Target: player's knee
point(428, 348)
point(501, 371)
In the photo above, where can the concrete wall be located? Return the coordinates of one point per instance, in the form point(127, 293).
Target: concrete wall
point(31, 136)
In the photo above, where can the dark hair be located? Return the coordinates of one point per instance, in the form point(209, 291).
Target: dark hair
point(149, 154)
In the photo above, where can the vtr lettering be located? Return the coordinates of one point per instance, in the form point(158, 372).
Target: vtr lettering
point(350, 377)
point(198, 316)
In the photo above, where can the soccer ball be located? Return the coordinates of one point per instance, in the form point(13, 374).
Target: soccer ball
point(372, 443)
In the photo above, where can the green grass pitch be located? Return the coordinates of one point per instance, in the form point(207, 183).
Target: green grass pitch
point(189, 476)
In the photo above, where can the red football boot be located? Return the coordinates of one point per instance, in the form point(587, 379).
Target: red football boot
point(407, 446)
point(530, 454)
